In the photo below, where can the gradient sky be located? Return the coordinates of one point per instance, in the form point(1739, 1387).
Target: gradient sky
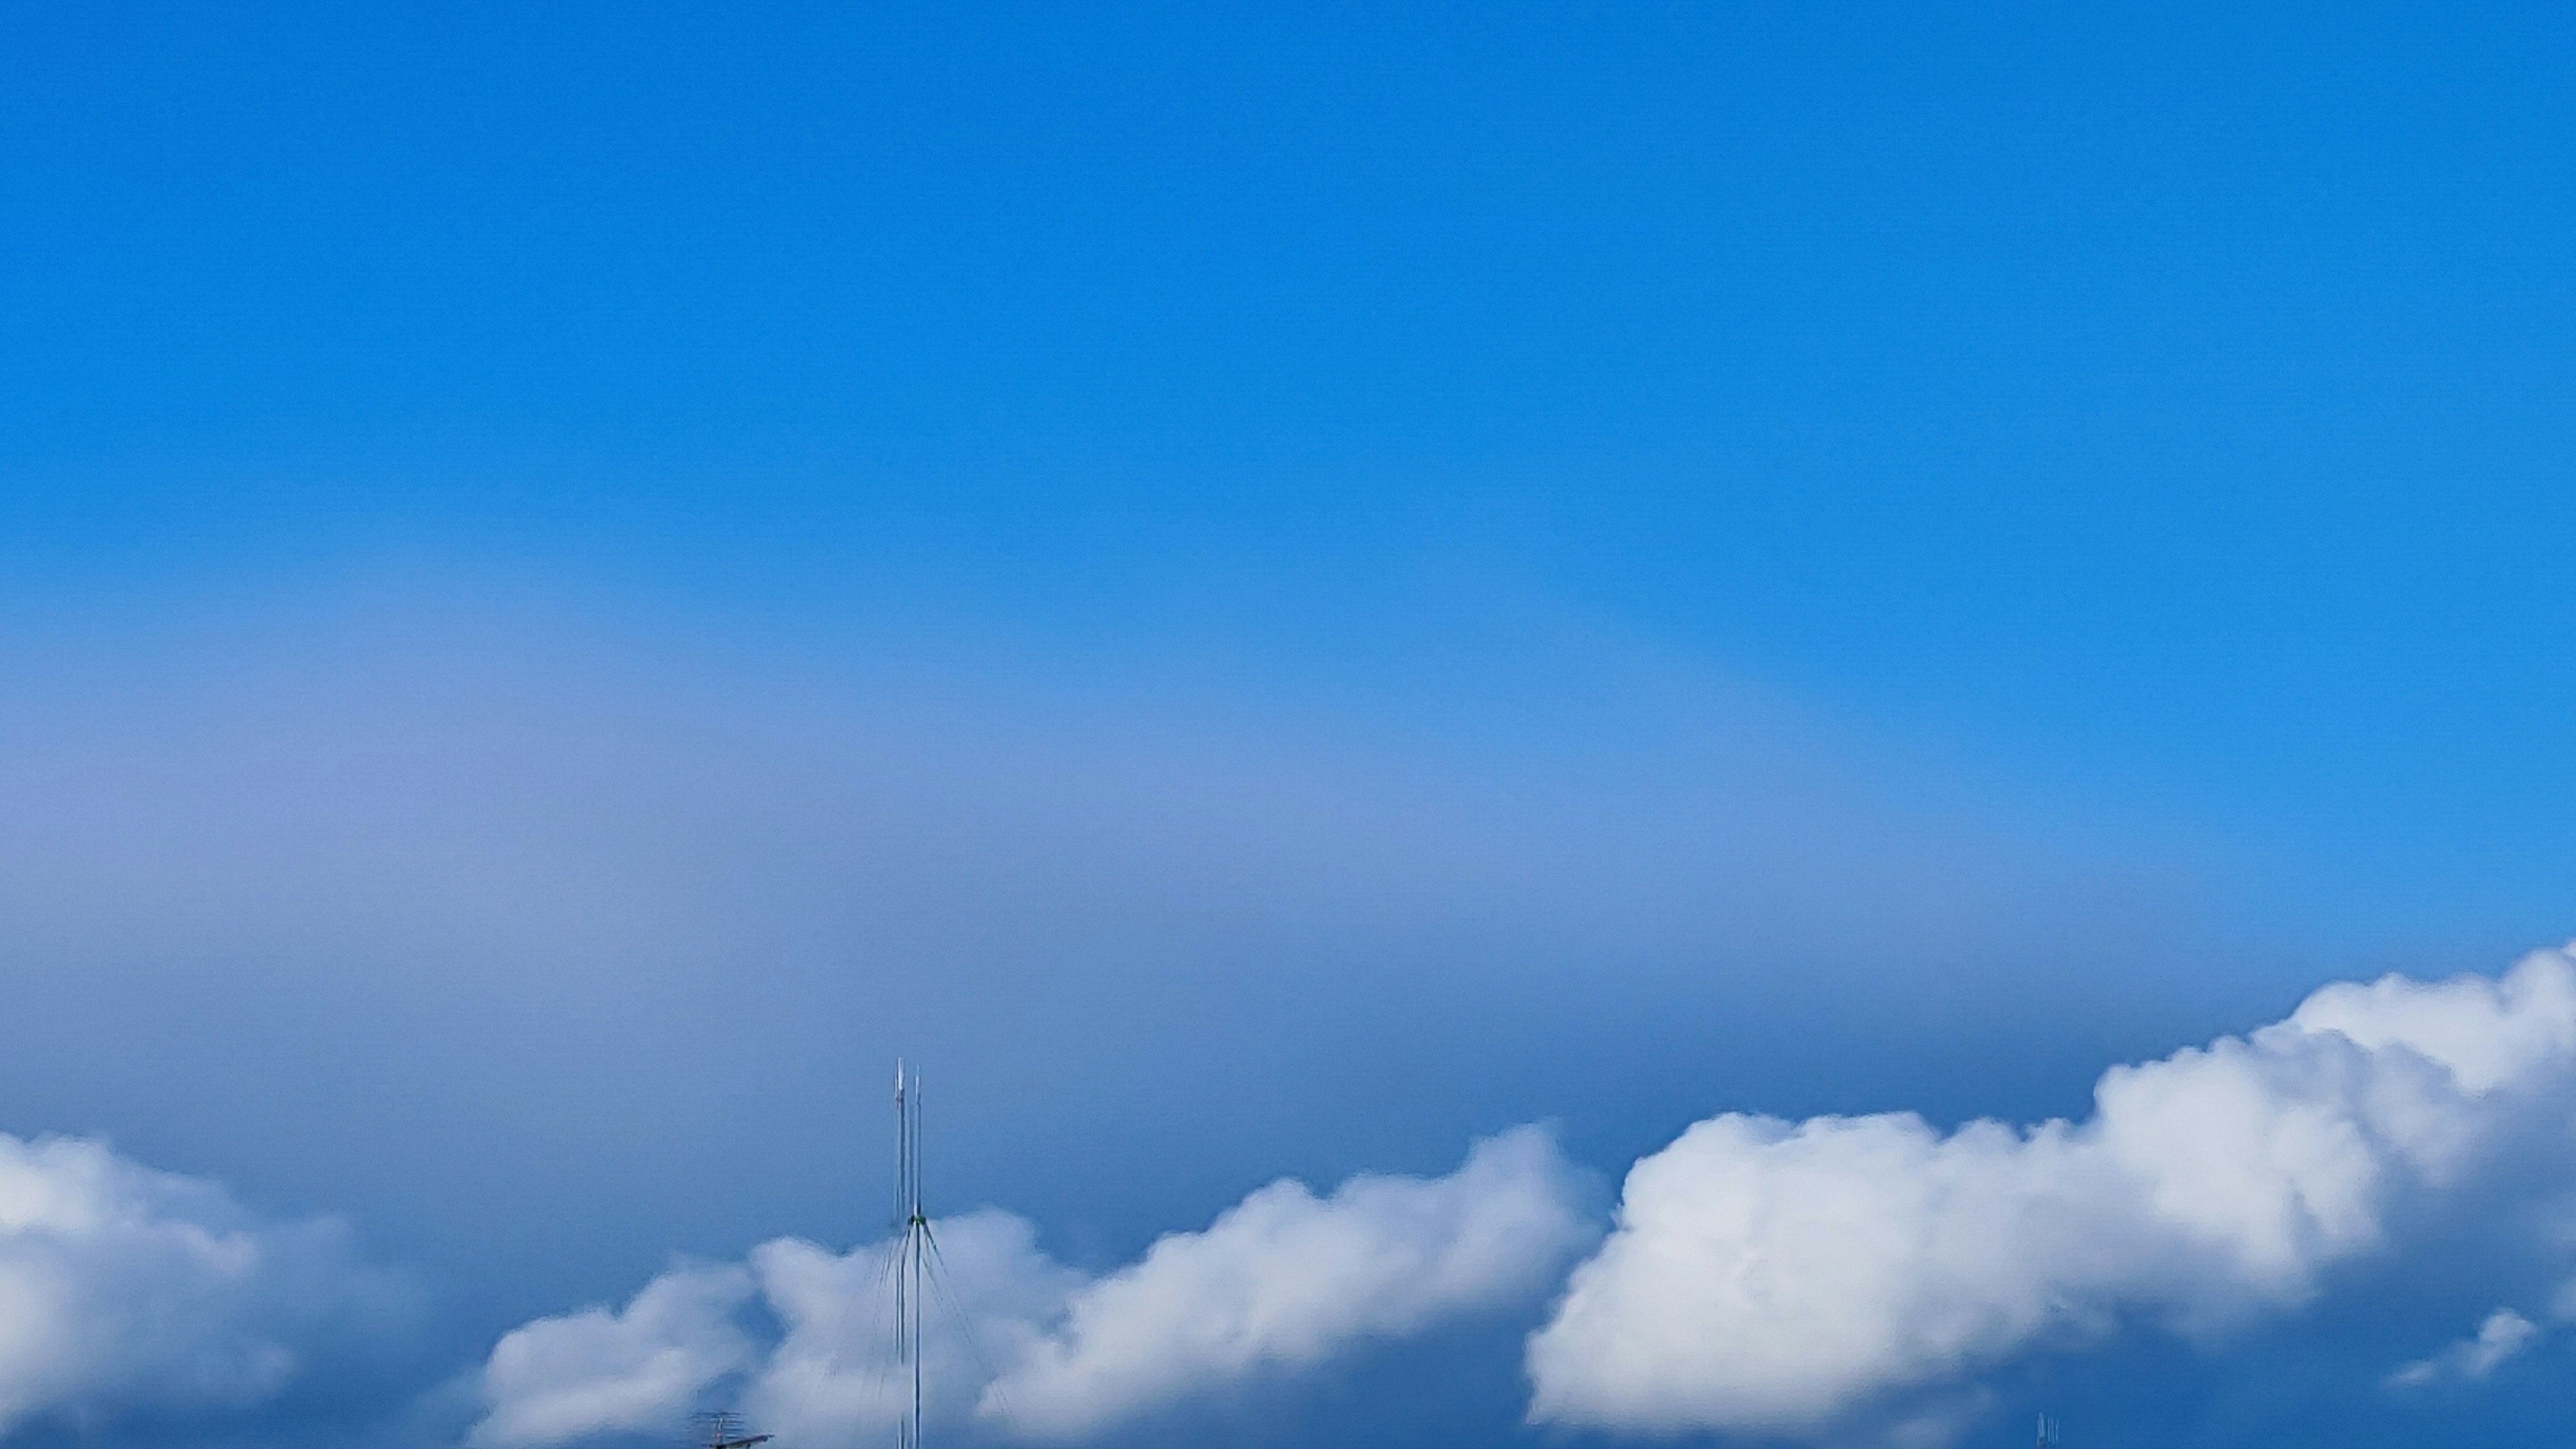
point(1261, 590)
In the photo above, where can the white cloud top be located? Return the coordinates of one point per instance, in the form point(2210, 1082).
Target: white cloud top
point(1283, 1281)
point(596, 1371)
point(125, 1288)
point(1797, 1278)
point(832, 1379)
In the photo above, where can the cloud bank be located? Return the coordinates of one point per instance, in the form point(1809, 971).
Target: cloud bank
point(128, 1290)
point(1803, 1278)
point(1281, 1282)
point(1835, 1279)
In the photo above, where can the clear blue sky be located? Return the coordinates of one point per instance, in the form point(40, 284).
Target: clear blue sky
point(2168, 398)
point(2057, 517)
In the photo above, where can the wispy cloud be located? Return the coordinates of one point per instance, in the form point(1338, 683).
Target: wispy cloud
point(2504, 1335)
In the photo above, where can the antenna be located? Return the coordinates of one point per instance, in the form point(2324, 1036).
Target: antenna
point(2047, 1432)
point(913, 1252)
point(724, 1431)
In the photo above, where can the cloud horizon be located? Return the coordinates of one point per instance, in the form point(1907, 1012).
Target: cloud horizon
point(1810, 1279)
point(1828, 1279)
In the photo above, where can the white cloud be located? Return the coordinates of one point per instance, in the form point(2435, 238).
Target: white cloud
point(124, 1288)
point(832, 1377)
point(1283, 1281)
point(596, 1371)
point(1797, 1278)
point(2504, 1334)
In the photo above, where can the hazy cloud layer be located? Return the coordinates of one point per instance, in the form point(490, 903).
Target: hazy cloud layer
point(1283, 1281)
point(408, 905)
point(1782, 1277)
point(124, 1289)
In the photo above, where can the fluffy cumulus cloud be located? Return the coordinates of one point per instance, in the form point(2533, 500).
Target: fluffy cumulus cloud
point(832, 1377)
point(124, 1290)
point(1286, 1279)
point(597, 1370)
point(1807, 1278)
point(1034, 1350)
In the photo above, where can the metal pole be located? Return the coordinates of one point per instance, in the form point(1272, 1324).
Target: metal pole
point(921, 1245)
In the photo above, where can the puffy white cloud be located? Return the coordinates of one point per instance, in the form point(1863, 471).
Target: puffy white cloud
point(1286, 1279)
point(801, 1337)
point(1798, 1278)
point(833, 1378)
point(124, 1288)
point(1283, 1281)
point(596, 1371)
point(2503, 1335)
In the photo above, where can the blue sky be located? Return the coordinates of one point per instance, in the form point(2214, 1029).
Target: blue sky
point(1268, 591)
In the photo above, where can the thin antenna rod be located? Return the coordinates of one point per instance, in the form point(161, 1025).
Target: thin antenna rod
point(912, 1263)
point(920, 1231)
